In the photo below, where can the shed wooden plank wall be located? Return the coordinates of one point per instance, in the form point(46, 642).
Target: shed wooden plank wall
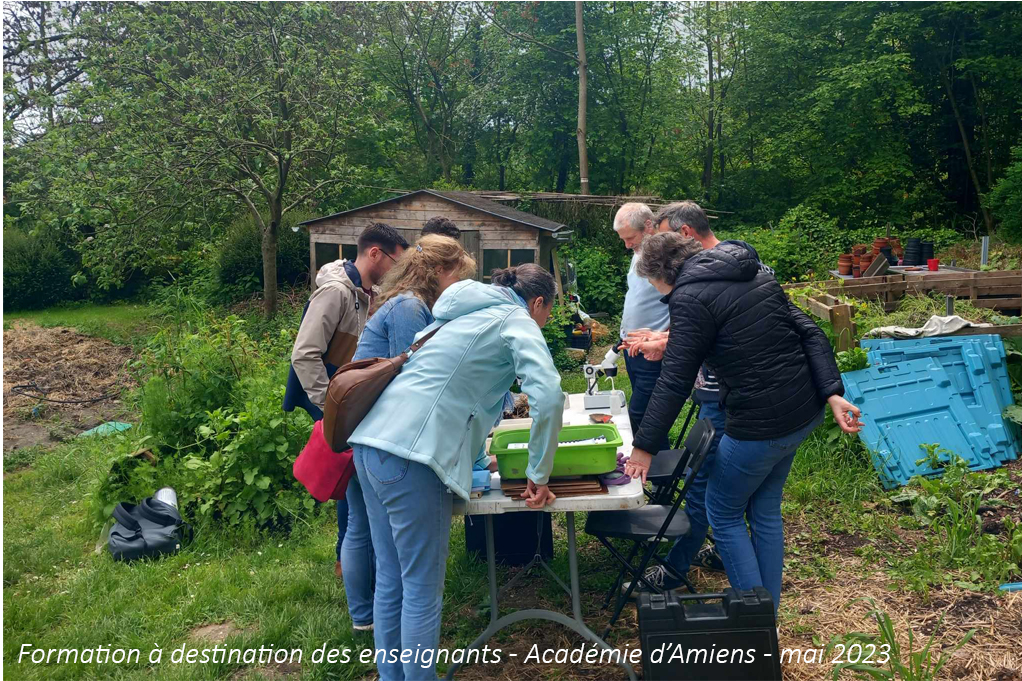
point(407, 216)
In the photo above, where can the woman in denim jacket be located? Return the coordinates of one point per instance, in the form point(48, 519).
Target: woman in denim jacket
point(402, 310)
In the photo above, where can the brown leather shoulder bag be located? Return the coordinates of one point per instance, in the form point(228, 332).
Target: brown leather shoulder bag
point(354, 389)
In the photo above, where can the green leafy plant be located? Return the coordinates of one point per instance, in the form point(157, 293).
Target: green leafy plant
point(602, 275)
point(936, 456)
point(901, 664)
point(247, 477)
point(956, 549)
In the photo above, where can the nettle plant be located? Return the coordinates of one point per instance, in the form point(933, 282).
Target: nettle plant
point(247, 477)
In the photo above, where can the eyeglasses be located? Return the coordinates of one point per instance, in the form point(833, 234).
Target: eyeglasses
point(389, 256)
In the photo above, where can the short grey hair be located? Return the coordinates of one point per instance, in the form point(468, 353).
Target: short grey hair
point(633, 215)
point(684, 213)
point(664, 254)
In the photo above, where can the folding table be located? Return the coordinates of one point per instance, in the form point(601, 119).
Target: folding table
point(495, 501)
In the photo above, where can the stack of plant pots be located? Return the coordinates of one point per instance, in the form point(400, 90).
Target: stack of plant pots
point(914, 252)
point(927, 251)
point(844, 264)
point(879, 244)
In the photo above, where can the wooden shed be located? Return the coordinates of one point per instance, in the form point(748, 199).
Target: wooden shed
point(494, 234)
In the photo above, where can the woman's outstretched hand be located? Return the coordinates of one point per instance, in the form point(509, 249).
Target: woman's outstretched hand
point(848, 422)
point(638, 463)
point(538, 496)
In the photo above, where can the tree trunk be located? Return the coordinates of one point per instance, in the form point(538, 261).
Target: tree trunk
point(987, 220)
point(270, 260)
point(583, 67)
point(708, 152)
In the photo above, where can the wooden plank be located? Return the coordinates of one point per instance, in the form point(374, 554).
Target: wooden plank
point(877, 268)
point(819, 308)
point(333, 239)
point(844, 328)
point(999, 303)
point(1009, 330)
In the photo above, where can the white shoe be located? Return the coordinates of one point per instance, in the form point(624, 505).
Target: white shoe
point(362, 627)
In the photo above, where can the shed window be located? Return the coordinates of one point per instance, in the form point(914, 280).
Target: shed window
point(325, 253)
point(349, 252)
point(505, 257)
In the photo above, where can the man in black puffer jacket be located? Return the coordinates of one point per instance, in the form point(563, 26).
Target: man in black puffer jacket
point(776, 370)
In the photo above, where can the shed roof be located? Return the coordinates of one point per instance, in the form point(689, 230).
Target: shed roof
point(468, 200)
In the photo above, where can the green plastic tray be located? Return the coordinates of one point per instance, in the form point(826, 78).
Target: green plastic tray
point(568, 461)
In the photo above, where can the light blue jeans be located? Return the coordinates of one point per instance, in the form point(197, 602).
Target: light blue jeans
point(357, 557)
point(685, 548)
point(746, 483)
point(409, 513)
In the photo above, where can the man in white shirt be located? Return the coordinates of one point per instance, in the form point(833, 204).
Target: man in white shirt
point(643, 310)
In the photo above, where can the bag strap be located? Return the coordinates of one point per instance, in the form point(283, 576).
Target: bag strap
point(150, 509)
point(124, 517)
point(422, 341)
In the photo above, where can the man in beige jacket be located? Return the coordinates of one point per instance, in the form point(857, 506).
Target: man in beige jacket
point(335, 315)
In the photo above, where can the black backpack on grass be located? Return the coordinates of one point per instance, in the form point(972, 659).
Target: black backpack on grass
point(148, 530)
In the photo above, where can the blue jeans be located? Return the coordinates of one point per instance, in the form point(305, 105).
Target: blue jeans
point(746, 483)
point(409, 513)
point(358, 561)
point(643, 375)
point(685, 548)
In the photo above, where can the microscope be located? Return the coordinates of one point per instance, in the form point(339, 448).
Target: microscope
point(594, 398)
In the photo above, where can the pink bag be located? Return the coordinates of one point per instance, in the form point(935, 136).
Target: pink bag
point(322, 472)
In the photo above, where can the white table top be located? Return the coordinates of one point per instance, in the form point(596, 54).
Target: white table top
point(619, 497)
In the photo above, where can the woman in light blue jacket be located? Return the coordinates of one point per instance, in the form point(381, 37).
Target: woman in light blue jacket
point(417, 446)
point(400, 312)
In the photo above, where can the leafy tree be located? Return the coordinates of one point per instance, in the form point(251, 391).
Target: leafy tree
point(188, 103)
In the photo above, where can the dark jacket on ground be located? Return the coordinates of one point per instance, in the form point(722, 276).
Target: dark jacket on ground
point(775, 366)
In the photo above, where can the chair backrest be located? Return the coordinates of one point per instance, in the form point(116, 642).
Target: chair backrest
point(697, 448)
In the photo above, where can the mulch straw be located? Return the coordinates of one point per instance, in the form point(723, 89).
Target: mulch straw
point(60, 364)
point(813, 610)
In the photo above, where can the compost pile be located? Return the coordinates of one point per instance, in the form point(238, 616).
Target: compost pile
point(76, 374)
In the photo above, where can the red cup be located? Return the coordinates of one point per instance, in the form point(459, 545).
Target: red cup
point(933, 264)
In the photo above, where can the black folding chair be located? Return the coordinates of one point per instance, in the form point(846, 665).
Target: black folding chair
point(662, 470)
point(651, 524)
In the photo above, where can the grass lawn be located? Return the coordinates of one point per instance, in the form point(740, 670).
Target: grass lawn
point(120, 323)
point(241, 589)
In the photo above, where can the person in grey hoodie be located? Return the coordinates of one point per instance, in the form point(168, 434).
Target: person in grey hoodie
point(332, 321)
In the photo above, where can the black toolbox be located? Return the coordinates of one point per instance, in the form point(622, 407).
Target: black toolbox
point(709, 637)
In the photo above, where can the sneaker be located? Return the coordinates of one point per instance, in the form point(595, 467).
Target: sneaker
point(362, 627)
point(658, 576)
point(708, 558)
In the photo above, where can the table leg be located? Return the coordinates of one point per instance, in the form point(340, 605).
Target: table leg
point(574, 623)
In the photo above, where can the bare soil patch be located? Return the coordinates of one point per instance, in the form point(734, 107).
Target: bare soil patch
point(84, 374)
point(214, 633)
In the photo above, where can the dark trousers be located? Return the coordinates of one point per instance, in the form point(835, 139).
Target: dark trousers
point(643, 375)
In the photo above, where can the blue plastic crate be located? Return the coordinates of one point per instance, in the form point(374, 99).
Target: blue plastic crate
point(976, 366)
point(909, 404)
